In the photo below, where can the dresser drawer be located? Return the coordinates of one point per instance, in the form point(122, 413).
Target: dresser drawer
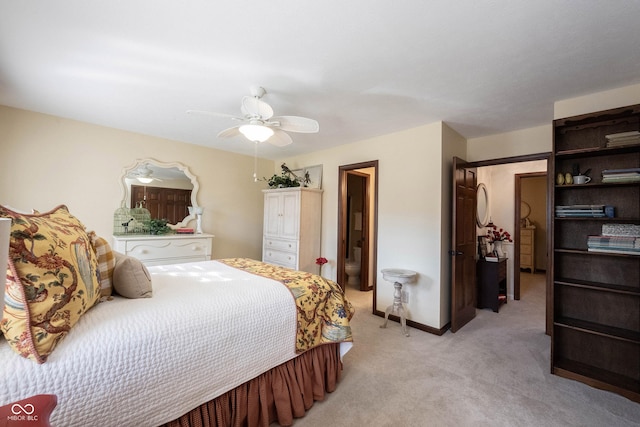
point(525, 250)
point(168, 248)
point(284, 259)
point(280, 245)
point(525, 260)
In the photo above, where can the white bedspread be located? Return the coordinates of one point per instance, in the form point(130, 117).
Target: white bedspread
point(207, 329)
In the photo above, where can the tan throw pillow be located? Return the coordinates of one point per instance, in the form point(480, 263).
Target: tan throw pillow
point(131, 279)
point(106, 263)
point(52, 280)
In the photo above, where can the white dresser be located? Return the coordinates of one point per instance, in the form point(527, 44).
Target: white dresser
point(291, 234)
point(527, 248)
point(168, 249)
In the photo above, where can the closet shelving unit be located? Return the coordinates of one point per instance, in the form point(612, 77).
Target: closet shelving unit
point(596, 296)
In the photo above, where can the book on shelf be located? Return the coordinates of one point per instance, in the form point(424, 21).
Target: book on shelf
point(580, 211)
point(490, 258)
point(621, 175)
point(184, 231)
point(621, 242)
point(623, 135)
point(621, 230)
point(622, 139)
point(615, 251)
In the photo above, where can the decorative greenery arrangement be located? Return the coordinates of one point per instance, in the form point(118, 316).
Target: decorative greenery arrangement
point(286, 179)
point(157, 226)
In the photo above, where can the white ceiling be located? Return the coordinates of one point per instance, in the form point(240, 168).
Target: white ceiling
point(361, 68)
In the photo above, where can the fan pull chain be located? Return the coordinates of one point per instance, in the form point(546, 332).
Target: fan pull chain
point(255, 161)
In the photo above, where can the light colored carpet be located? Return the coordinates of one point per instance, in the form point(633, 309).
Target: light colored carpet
point(494, 371)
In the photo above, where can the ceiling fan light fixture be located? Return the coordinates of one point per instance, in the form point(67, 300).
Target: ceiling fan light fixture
point(144, 179)
point(256, 133)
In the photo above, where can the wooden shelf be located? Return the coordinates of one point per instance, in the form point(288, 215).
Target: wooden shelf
point(596, 296)
point(593, 253)
point(599, 378)
point(596, 185)
point(600, 219)
point(598, 329)
point(597, 151)
point(598, 286)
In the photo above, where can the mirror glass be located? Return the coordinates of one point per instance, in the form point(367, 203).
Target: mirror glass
point(153, 183)
point(482, 211)
point(525, 210)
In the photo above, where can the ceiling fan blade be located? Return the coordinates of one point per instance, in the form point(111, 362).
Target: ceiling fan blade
point(229, 133)
point(279, 138)
point(254, 107)
point(295, 124)
point(212, 114)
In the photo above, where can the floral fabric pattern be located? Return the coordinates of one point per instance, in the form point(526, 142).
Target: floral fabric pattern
point(323, 311)
point(52, 279)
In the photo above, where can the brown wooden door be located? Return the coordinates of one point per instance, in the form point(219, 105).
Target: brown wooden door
point(463, 245)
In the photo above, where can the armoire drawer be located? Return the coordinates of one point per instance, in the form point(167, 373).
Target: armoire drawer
point(280, 245)
point(284, 259)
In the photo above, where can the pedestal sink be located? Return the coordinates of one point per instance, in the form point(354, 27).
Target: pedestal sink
point(398, 277)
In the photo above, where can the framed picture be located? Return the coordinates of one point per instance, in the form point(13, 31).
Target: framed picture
point(299, 175)
point(314, 176)
point(483, 246)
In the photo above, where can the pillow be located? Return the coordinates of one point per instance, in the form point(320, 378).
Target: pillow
point(106, 263)
point(52, 280)
point(131, 279)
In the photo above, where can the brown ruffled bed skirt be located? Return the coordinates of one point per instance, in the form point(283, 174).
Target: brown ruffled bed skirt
point(281, 394)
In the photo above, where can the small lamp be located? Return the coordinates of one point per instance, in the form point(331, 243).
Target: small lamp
point(197, 211)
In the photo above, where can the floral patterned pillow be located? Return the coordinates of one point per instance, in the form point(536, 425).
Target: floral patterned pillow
point(52, 280)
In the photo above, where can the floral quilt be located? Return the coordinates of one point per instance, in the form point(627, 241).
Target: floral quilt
point(323, 311)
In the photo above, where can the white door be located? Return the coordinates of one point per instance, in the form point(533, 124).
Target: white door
point(272, 214)
point(290, 211)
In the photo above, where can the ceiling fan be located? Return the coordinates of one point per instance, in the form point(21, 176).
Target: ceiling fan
point(144, 174)
point(258, 123)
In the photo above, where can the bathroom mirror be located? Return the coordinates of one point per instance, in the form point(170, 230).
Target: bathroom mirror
point(525, 210)
point(154, 173)
point(482, 206)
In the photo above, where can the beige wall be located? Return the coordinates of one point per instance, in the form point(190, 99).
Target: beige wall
point(410, 211)
point(517, 143)
point(47, 161)
point(605, 100)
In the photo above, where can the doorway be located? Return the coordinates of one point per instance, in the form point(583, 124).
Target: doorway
point(530, 226)
point(507, 219)
point(357, 223)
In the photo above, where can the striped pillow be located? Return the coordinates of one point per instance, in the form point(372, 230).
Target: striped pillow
point(106, 263)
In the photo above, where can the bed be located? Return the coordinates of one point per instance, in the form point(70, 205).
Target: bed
point(224, 342)
point(208, 329)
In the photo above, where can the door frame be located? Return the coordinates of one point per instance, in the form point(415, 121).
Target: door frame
point(527, 158)
point(342, 223)
point(364, 261)
point(516, 228)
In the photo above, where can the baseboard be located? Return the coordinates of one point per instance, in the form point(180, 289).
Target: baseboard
point(416, 325)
